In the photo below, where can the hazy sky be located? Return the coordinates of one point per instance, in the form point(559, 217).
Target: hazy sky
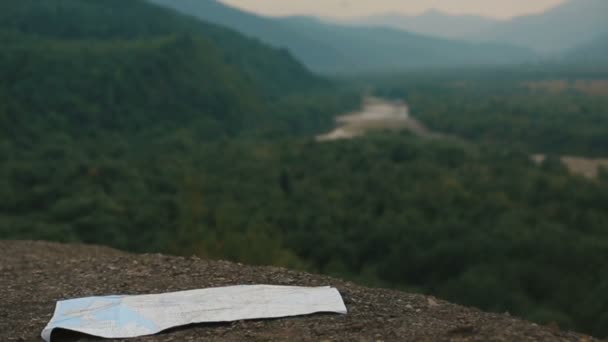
point(353, 8)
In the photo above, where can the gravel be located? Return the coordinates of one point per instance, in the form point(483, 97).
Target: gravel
point(34, 275)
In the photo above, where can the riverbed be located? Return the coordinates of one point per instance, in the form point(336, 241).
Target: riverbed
point(376, 114)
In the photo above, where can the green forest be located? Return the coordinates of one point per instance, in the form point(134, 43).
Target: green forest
point(167, 134)
point(556, 110)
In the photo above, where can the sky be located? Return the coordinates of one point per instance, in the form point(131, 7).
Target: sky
point(502, 9)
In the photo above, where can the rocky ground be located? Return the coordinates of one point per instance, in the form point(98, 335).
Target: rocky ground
point(34, 275)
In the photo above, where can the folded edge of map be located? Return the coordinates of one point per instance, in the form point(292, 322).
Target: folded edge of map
point(140, 315)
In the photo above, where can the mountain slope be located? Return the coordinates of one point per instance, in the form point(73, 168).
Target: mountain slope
point(386, 49)
point(79, 66)
point(313, 53)
point(431, 23)
point(556, 30)
point(122, 85)
point(272, 71)
point(594, 51)
point(334, 48)
point(374, 314)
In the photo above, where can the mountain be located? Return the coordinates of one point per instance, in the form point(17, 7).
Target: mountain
point(327, 47)
point(558, 29)
point(87, 93)
point(385, 49)
point(313, 53)
point(270, 69)
point(82, 65)
point(555, 30)
point(431, 23)
point(594, 52)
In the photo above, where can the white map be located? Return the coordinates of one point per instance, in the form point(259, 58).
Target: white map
point(133, 316)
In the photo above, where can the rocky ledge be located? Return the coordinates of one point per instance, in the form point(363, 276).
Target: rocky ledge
point(34, 275)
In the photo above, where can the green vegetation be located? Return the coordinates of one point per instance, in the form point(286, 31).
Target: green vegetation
point(79, 66)
point(272, 71)
point(86, 94)
point(557, 113)
point(165, 134)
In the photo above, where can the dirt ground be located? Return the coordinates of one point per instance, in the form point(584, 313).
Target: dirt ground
point(37, 274)
point(587, 167)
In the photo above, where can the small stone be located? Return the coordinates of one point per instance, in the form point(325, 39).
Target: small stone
point(462, 330)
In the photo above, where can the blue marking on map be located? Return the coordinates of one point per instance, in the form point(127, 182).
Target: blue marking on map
point(70, 313)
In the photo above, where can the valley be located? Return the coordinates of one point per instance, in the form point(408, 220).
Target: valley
point(383, 115)
point(205, 132)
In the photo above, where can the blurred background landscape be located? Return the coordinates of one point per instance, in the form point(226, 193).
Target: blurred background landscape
point(445, 151)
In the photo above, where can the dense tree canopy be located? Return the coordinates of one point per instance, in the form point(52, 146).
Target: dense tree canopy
point(273, 71)
point(557, 112)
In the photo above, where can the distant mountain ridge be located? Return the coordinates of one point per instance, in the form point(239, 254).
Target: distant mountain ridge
point(372, 48)
point(552, 32)
point(556, 30)
point(433, 23)
point(334, 48)
point(595, 51)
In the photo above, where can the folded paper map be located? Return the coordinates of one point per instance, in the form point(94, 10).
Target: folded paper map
point(140, 315)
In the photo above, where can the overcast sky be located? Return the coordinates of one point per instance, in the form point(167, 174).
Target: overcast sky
point(354, 8)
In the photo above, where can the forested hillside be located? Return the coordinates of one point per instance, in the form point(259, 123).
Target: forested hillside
point(271, 70)
point(76, 65)
point(80, 86)
point(555, 112)
point(106, 81)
